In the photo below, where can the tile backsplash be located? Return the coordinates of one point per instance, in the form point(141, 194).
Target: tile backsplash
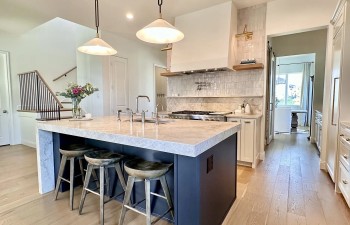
point(219, 84)
point(226, 90)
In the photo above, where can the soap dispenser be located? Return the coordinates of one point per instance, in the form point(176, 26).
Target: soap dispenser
point(247, 109)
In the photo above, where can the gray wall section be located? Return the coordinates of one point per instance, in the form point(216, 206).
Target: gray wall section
point(304, 43)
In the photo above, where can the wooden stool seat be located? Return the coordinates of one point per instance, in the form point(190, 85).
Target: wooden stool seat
point(71, 152)
point(102, 157)
point(76, 152)
point(141, 170)
point(145, 169)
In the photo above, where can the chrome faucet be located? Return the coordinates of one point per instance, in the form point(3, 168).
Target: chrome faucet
point(143, 116)
point(137, 101)
point(131, 114)
point(118, 115)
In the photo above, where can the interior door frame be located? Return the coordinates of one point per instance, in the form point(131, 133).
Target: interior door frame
point(273, 93)
point(9, 95)
point(154, 82)
point(270, 91)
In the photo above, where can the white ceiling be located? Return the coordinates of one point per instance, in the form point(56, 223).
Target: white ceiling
point(19, 16)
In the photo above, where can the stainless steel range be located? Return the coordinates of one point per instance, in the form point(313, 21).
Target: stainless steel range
point(199, 115)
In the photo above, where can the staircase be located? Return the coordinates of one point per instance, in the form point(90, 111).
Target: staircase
point(37, 97)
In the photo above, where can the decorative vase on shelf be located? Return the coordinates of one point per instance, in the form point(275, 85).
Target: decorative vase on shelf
point(76, 110)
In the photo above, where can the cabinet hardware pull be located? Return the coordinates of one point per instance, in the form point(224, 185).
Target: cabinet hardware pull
point(342, 135)
point(345, 156)
point(345, 181)
point(249, 122)
point(348, 139)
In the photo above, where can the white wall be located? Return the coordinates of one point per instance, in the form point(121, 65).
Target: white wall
point(141, 60)
point(286, 17)
point(51, 49)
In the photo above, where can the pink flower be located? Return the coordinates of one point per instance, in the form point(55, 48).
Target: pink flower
point(76, 91)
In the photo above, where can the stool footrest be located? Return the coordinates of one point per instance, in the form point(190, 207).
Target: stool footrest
point(64, 179)
point(144, 214)
point(135, 210)
point(158, 195)
point(92, 191)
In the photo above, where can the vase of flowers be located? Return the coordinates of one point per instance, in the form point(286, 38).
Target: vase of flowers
point(77, 93)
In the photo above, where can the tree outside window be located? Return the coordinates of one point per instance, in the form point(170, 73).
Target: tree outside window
point(289, 89)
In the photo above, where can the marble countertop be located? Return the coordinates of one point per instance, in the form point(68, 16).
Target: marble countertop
point(244, 116)
point(182, 137)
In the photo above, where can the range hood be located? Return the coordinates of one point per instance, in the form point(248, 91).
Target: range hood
point(209, 40)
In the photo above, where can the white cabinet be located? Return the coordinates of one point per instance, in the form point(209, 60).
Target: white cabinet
point(248, 141)
point(318, 129)
point(344, 161)
point(337, 71)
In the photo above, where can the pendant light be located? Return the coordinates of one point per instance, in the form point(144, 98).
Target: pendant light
point(160, 31)
point(97, 46)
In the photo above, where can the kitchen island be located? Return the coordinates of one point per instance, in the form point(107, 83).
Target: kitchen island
point(203, 179)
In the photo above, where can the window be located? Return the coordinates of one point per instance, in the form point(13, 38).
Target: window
point(289, 89)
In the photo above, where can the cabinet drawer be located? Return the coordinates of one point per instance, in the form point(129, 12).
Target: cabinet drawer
point(233, 120)
point(344, 182)
point(344, 131)
point(344, 153)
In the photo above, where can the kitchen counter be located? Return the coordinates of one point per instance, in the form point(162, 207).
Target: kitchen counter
point(244, 116)
point(182, 137)
point(202, 181)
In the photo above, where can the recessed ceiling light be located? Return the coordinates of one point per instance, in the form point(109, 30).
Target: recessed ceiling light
point(130, 16)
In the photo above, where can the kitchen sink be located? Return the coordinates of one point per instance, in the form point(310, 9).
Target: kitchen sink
point(161, 121)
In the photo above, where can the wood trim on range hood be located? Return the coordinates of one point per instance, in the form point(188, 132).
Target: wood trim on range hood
point(172, 74)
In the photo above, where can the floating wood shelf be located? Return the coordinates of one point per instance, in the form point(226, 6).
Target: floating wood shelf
point(171, 74)
point(254, 66)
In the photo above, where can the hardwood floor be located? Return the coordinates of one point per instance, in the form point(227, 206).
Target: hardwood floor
point(286, 188)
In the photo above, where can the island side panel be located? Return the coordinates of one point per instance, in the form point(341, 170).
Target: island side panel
point(203, 196)
point(218, 186)
point(45, 161)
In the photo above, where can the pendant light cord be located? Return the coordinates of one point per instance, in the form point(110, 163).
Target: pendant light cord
point(160, 3)
point(97, 17)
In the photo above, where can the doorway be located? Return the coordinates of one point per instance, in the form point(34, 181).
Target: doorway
point(294, 93)
point(119, 85)
point(6, 128)
point(160, 88)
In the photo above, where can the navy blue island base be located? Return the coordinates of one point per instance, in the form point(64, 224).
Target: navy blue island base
point(203, 188)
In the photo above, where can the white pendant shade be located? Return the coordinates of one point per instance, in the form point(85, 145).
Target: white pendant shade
point(97, 46)
point(160, 32)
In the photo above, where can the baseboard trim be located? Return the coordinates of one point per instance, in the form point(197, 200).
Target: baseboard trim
point(262, 155)
point(331, 173)
point(29, 143)
point(323, 165)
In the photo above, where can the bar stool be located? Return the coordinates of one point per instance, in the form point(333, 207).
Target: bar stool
point(102, 160)
point(141, 170)
point(71, 152)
